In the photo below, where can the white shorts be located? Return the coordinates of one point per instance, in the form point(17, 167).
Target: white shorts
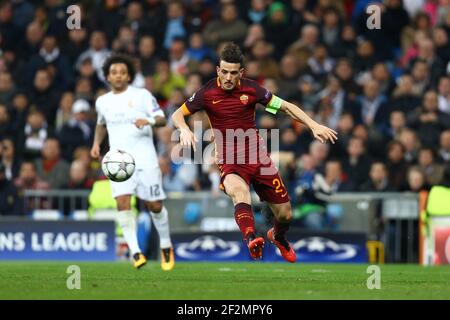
point(145, 183)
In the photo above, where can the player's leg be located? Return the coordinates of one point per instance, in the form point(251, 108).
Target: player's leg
point(150, 190)
point(270, 188)
point(238, 190)
point(277, 235)
point(127, 222)
point(160, 219)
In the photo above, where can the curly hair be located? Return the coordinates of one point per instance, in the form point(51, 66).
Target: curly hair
point(120, 58)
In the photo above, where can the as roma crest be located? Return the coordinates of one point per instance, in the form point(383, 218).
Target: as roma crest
point(244, 99)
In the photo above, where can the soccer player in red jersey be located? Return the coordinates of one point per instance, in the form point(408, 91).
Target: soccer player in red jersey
point(229, 101)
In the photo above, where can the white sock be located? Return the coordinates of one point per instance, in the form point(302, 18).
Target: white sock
point(127, 222)
point(161, 222)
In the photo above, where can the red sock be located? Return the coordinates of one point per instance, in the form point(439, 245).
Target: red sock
point(280, 228)
point(243, 215)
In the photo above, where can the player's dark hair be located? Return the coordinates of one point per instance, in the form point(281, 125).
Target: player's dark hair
point(231, 53)
point(120, 58)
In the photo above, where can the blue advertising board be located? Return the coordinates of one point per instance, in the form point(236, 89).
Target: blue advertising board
point(309, 247)
point(57, 240)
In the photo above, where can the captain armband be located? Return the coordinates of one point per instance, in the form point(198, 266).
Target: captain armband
point(274, 104)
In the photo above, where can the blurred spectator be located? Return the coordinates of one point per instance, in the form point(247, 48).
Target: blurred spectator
point(404, 97)
point(197, 49)
point(289, 74)
point(320, 64)
point(19, 111)
point(51, 167)
point(356, 164)
point(416, 180)
point(345, 73)
point(364, 59)
point(175, 23)
point(78, 131)
point(372, 109)
point(29, 180)
point(444, 94)
point(33, 135)
point(421, 22)
point(125, 41)
point(346, 47)
point(6, 128)
point(319, 153)
point(228, 28)
point(396, 165)
point(426, 162)
point(380, 73)
point(135, 19)
point(30, 45)
point(51, 58)
point(180, 61)
point(7, 87)
point(10, 202)
point(429, 121)
point(78, 177)
point(10, 32)
point(165, 81)
point(256, 12)
point(107, 16)
point(97, 51)
point(378, 181)
point(64, 112)
point(331, 28)
point(397, 122)
point(335, 178)
point(409, 140)
point(255, 32)
point(276, 24)
point(181, 177)
point(441, 44)
point(77, 43)
point(338, 98)
point(420, 76)
point(428, 55)
point(309, 185)
point(147, 55)
point(43, 95)
point(303, 48)
point(9, 159)
point(262, 53)
point(78, 180)
point(444, 150)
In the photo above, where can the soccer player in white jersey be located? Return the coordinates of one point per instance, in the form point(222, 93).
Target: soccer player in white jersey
point(128, 114)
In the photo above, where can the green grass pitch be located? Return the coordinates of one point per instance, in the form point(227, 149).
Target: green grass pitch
point(221, 281)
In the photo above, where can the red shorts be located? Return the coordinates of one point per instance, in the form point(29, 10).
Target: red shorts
point(265, 180)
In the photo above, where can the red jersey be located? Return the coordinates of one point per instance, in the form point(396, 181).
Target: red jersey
point(232, 116)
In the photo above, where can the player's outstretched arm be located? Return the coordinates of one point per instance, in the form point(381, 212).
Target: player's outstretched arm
point(100, 134)
point(187, 137)
point(320, 132)
point(157, 121)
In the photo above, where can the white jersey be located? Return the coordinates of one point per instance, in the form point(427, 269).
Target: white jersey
point(119, 112)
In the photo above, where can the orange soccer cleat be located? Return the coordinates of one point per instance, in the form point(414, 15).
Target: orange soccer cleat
point(283, 245)
point(255, 246)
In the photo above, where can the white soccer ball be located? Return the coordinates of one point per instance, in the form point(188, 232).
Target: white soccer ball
point(118, 165)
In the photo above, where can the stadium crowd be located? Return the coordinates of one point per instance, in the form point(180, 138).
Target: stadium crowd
point(386, 91)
